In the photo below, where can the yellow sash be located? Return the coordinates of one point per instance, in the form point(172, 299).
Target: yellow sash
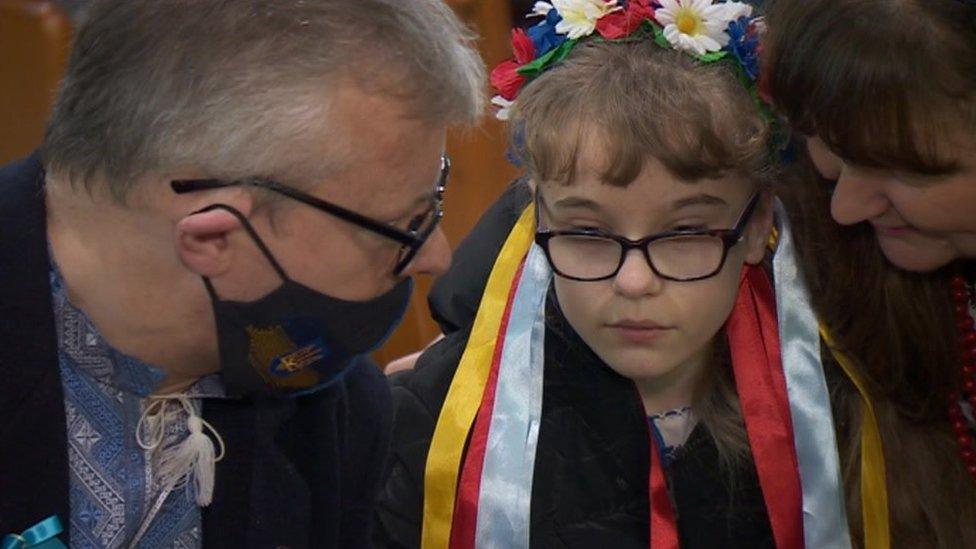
point(467, 388)
point(874, 491)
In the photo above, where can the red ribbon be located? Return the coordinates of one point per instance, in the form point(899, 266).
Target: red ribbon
point(465, 525)
point(664, 529)
point(754, 343)
point(753, 336)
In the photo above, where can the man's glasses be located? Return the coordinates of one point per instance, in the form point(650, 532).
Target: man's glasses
point(682, 255)
point(412, 238)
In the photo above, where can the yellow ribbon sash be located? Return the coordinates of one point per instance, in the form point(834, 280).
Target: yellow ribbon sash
point(874, 490)
point(464, 396)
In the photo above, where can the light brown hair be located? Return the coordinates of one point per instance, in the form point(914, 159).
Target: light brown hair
point(638, 101)
point(641, 101)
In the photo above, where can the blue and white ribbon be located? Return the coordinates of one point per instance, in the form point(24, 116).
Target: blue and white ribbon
point(824, 511)
point(506, 480)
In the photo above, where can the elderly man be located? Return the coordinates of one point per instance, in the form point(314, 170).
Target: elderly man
point(223, 221)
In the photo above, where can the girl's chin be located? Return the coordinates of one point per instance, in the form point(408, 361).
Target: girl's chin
point(636, 366)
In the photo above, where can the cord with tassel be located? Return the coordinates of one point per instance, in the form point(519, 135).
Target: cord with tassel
point(191, 461)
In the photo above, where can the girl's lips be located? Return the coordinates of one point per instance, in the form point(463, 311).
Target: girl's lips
point(638, 331)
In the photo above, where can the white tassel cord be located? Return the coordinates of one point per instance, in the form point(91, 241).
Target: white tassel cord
point(191, 460)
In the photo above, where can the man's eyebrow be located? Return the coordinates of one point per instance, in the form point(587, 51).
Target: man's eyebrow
point(698, 199)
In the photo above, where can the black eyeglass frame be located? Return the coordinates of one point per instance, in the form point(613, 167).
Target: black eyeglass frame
point(411, 240)
point(729, 237)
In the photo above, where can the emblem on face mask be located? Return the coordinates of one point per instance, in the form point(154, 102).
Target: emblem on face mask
point(297, 339)
point(281, 360)
point(293, 363)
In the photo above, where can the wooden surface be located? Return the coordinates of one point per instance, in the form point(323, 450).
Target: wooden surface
point(34, 41)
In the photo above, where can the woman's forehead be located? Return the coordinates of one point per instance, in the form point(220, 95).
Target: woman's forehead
point(929, 147)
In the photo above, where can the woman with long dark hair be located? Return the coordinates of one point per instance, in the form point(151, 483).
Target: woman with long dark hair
point(885, 91)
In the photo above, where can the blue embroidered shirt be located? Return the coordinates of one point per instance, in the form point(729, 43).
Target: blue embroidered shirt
point(115, 499)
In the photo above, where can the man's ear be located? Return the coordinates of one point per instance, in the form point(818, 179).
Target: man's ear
point(759, 229)
point(202, 237)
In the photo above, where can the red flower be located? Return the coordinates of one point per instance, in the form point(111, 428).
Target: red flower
point(762, 83)
point(762, 89)
point(523, 47)
point(622, 23)
point(506, 79)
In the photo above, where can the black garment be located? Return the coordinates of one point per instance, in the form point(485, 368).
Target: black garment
point(590, 486)
point(299, 472)
point(455, 295)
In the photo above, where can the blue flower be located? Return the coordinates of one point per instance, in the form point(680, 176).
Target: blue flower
point(744, 45)
point(516, 148)
point(544, 35)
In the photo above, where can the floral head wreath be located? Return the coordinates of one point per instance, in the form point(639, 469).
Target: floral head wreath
point(708, 30)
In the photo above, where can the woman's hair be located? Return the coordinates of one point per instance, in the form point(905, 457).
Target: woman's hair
point(898, 327)
point(883, 82)
point(637, 101)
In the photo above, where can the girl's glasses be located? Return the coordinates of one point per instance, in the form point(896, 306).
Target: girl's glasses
point(685, 255)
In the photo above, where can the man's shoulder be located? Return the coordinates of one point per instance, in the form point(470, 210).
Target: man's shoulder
point(20, 196)
point(30, 163)
point(24, 288)
point(18, 176)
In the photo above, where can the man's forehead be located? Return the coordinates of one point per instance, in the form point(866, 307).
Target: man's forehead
point(389, 186)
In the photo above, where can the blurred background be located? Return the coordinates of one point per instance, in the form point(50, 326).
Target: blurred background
point(35, 37)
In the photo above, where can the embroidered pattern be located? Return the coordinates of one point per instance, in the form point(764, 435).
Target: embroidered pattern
point(113, 497)
point(671, 429)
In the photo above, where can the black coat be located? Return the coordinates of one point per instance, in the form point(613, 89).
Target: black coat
point(590, 486)
point(299, 472)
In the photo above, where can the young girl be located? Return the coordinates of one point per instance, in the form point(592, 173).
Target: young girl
point(620, 384)
point(886, 90)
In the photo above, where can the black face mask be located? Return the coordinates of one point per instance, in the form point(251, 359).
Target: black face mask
point(296, 339)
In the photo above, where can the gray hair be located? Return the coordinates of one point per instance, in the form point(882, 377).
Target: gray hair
point(231, 88)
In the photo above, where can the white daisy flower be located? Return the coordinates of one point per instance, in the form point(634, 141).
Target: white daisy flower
point(504, 107)
point(699, 26)
point(579, 17)
point(735, 10)
point(540, 9)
